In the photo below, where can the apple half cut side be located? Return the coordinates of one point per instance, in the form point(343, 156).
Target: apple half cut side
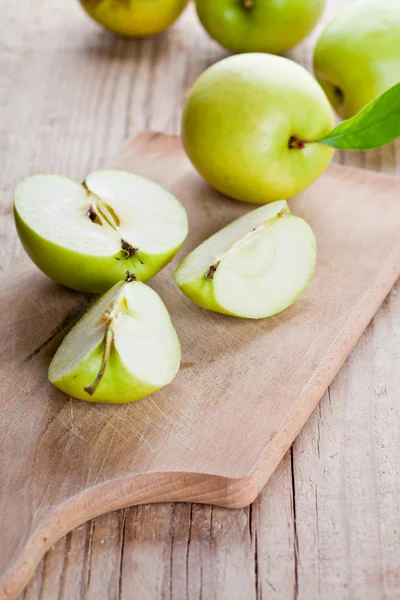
point(254, 267)
point(124, 348)
point(87, 236)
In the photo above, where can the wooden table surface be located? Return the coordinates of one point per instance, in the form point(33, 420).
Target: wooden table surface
point(328, 524)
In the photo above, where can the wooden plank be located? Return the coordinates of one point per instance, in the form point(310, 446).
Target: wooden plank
point(64, 61)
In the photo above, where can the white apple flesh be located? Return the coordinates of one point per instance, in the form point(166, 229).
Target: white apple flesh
point(87, 236)
point(254, 267)
point(123, 349)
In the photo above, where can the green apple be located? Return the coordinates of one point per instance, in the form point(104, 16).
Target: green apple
point(259, 25)
point(135, 18)
point(87, 236)
point(123, 349)
point(357, 57)
point(254, 267)
point(248, 125)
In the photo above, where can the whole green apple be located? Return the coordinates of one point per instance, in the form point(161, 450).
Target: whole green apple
point(259, 25)
point(249, 123)
point(135, 18)
point(357, 56)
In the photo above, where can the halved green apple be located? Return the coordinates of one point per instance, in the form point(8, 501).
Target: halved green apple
point(254, 267)
point(124, 348)
point(87, 236)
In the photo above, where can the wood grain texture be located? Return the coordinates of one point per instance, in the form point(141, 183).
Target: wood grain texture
point(69, 95)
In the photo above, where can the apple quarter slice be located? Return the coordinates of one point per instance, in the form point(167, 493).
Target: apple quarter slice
point(124, 348)
point(87, 236)
point(254, 267)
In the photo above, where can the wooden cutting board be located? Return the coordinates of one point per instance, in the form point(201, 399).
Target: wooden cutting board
point(245, 388)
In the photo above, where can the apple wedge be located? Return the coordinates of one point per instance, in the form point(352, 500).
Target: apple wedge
point(87, 236)
point(254, 267)
point(123, 349)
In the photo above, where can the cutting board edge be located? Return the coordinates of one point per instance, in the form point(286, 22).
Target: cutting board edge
point(144, 488)
point(326, 371)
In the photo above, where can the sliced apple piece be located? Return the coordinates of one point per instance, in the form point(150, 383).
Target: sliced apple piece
point(87, 236)
point(254, 267)
point(124, 348)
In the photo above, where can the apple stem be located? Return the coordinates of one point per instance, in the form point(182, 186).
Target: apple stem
point(248, 4)
point(211, 271)
point(108, 339)
point(297, 144)
point(130, 277)
point(129, 251)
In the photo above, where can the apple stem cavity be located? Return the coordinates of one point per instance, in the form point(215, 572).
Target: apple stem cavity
point(248, 4)
point(108, 340)
point(339, 94)
point(296, 144)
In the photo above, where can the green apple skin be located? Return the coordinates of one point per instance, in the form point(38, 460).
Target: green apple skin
point(86, 273)
point(272, 26)
point(138, 18)
point(357, 57)
point(201, 292)
point(115, 387)
point(239, 118)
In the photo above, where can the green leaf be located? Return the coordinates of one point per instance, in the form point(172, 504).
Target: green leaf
point(377, 124)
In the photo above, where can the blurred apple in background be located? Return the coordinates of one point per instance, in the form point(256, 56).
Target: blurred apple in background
point(249, 123)
point(135, 18)
point(358, 55)
point(272, 26)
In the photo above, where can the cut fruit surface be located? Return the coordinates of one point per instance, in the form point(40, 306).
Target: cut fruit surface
point(254, 267)
point(87, 236)
point(123, 349)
